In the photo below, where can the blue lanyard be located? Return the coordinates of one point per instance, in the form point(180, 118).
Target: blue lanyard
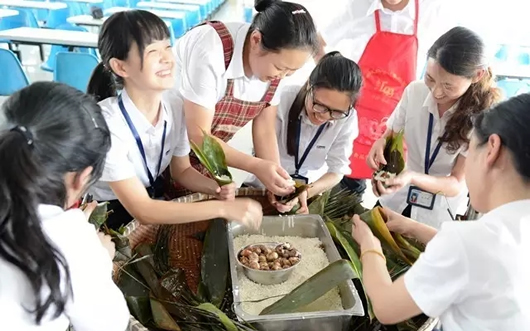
point(298, 163)
point(140, 145)
point(430, 160)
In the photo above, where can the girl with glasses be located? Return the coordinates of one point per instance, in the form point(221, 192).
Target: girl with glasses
point(316, 125)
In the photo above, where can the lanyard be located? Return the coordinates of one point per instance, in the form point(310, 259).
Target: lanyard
point(298, 163)
point(141, 146)
point(429, 161)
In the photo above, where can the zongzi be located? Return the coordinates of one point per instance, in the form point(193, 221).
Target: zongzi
point(212, 157)
point(395, 158)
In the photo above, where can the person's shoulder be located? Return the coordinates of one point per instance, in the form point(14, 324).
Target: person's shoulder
point(417, 91)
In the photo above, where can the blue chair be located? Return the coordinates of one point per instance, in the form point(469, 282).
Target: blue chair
point(74, 69)
point(513, 87)
point(49, 65)
point(14, 76)
point(502, 53)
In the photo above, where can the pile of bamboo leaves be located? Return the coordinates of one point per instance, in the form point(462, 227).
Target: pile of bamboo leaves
point(159, 297)
point(337, 209)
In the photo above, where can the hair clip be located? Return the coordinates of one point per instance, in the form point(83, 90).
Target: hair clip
point(25, 132)
point(299, 11)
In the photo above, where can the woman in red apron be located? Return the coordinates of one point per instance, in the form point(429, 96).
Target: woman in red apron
point(388, 65)
point(221, 94)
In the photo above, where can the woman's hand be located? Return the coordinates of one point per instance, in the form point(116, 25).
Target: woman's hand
point(107, 243)
point(399, 223)
point(363, 235)
point(274, 177)
point(226, 192)
point(281, 207)
point(302, 199)
point(376, 157)
point(393, 184)
point(245, 211)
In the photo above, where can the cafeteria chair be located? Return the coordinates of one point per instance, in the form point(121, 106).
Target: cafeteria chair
point(49, 65)
point(74, 69)
point(14, 76)
point(513, 87)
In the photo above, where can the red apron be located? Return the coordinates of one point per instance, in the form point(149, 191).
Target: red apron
point(388, 65)
point(231, 114)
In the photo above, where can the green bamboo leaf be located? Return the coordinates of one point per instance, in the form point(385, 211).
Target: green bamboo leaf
point(227, 322)
point(99, 215)
point(211, 155)
point(215, 261)
point(355, 260)
point(374, 219)
point(140, 308)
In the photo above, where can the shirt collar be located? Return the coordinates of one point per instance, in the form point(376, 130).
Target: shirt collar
point(431, 105)
point(378, 5)
point(236, 69)
point(141, 124)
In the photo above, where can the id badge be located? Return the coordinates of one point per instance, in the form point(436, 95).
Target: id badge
point(300, 180)
point(420, 198)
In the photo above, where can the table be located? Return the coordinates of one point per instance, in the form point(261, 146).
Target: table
point(33, 4)
point(160, 13)
point(8, 13)
point(36, 36)
point(91, 2)
point(86, 20)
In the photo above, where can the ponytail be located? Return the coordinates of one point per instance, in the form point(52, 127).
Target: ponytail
point(22, 241)
point(102, 84)
point(294, 113)
point(479, 97)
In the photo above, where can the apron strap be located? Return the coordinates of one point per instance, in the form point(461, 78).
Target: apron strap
point(226, 39)
point(377, 21)
point(270, 91)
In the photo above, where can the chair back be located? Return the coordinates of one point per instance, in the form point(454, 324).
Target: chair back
point(74, 69)
point(11, 69)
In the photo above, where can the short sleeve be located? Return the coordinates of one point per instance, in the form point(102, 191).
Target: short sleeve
point(202, 66)
point(396, 121)
point(440, 276)
point(117, 164)
point(182, 146)
point(90, 267)
point(338, 158)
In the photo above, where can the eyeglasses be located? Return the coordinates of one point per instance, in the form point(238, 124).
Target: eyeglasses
point(333, 113)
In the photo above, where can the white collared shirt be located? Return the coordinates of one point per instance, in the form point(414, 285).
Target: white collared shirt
point(354, 25)
point(474, 275)
point(412, 116)
point(124, 159)
point(201, 76)
point(330, 153)
point(97, 303)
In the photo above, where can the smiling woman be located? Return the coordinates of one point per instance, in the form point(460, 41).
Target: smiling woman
point(147, 135)
point(229, 74)
point(435, 116)
point(315, 127)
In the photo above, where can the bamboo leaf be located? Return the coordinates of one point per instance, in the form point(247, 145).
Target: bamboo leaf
point(408, 249)
point(211, 155)
point(214, 261)
point(374, 219)
point(99, 215)
point(227, 323)
point(313, 288)
point(317, 206)
point(140, 308)
point(161, 316)
point(354, 258)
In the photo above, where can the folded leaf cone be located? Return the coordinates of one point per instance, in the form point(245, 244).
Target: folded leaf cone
point(212, 157)
point(394, 155)
point(299, 189)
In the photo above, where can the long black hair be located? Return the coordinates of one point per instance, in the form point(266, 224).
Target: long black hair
point(333, 72)
point(284, 25)
point(116, 37)
point(511, 121)
point(50, 130)
point(461, 52)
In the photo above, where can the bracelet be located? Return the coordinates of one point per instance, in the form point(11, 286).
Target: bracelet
point(375, 251)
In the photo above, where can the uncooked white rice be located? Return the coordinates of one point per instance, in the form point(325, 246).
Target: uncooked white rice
point(313, 260)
